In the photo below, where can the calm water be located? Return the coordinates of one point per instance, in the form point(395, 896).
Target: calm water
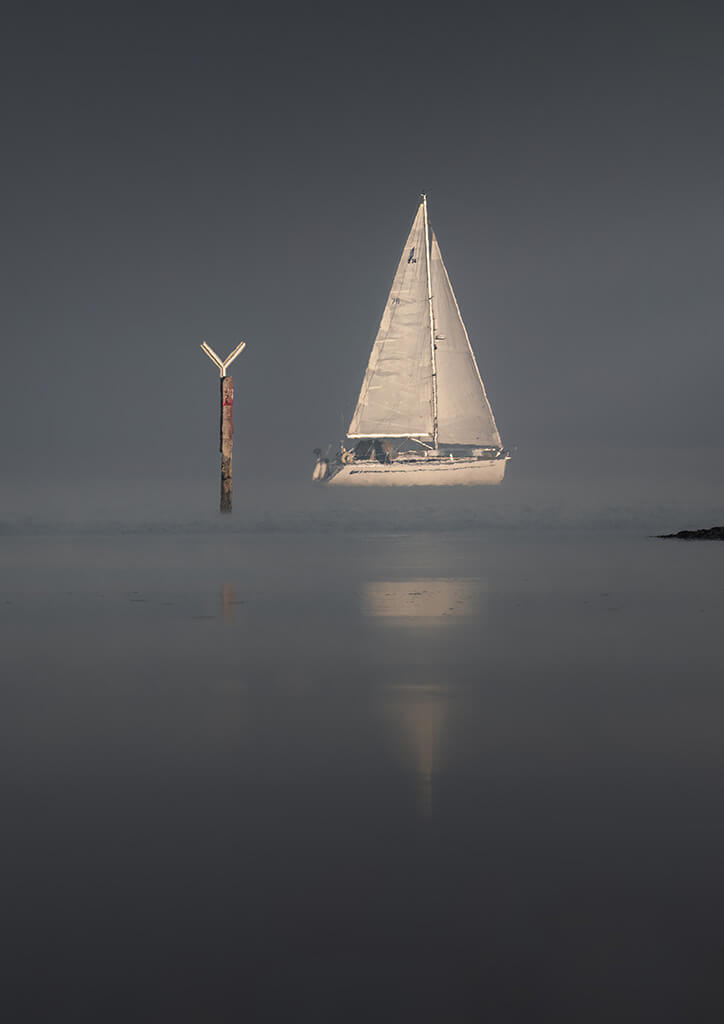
point(392, 774)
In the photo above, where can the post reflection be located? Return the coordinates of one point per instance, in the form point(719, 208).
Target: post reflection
point(228, 602)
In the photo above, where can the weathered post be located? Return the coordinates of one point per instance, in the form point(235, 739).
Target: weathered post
point(226, 422)
point(226, 441)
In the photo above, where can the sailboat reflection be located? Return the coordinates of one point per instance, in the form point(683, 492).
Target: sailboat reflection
point(421, 602)
point(417, 715)
point(417, 709)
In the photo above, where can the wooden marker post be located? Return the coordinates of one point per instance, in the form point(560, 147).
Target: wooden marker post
point(226, 422)
point(226, 441)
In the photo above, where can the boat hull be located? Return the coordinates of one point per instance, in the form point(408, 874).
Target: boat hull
point(422, 473)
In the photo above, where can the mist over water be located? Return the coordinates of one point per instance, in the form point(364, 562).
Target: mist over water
point(644, 490)
point(401, 755)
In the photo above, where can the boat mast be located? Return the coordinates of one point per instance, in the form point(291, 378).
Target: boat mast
point(432, 326)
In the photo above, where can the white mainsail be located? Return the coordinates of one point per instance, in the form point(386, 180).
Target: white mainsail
point(396, 399)
point(464, 415)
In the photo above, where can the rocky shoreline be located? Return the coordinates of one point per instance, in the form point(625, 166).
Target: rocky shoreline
point(713, 533)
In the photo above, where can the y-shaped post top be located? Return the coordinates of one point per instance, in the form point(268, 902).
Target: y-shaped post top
point(223, 363)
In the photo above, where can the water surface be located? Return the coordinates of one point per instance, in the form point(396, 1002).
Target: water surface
point(382, 773)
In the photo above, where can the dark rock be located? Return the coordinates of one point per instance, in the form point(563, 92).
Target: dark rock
point(713, 533)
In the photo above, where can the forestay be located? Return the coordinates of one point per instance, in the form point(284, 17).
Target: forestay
point(396, 396)
point(464, 415)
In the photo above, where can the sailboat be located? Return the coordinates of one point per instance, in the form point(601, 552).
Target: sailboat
point(422, 415)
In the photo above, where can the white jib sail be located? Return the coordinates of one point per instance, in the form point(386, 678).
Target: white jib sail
point(396, 396)
point(464, 415)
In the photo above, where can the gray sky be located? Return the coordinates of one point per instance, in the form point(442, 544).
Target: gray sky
point(228, 174)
